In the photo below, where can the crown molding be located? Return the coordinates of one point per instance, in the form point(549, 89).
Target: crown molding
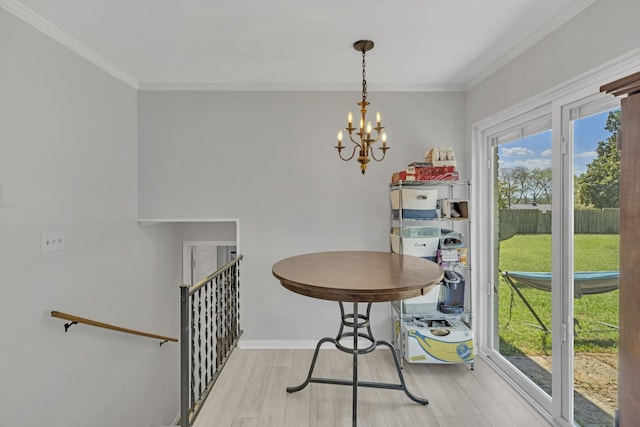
point(294, 87)
point(27, 15)
point(560, 19)
point(39, 23)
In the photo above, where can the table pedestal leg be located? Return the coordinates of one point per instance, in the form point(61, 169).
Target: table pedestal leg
point(356, 321)
point(354, 401)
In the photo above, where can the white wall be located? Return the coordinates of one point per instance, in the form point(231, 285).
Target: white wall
point(267, 158)
point(68, 161)
point(604, 31)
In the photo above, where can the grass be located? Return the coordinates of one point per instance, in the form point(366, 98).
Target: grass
point(519, 330)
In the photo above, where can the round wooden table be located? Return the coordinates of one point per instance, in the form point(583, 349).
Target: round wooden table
point(357, 277)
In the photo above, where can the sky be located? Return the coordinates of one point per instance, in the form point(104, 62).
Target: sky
point(535, 151)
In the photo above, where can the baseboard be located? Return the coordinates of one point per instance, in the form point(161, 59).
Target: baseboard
point(175, 423)
point(278, 344)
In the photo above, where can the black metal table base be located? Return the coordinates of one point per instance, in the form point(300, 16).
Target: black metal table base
point(356, 321)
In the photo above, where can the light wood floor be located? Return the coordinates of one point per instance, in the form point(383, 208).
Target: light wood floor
point(251, 392)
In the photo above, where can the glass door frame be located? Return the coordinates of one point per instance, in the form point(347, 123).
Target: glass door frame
point(563, 267)
point(560, 409)
point(485, 269)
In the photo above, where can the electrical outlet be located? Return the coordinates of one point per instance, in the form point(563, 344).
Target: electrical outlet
point(52, 241)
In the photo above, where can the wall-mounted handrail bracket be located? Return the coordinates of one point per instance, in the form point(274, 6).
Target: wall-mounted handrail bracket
point(68, 325)
point(162, 342)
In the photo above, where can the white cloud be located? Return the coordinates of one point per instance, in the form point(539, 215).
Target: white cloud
point(546, 153)
point(534, 163)
point(587, 154)
point(517, 151)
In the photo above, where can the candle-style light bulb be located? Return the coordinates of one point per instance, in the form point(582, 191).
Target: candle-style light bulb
point(361, 125)
point(350, 118)
point(369, 128)
point(384, 139)
point(378, 118)
point(339, 138)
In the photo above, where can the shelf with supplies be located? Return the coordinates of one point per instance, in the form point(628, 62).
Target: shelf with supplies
point(430, 200)
point(431, 219)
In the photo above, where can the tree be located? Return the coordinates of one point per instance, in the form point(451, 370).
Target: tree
point(519, 185)
point(540, 186)
point(506, 188)
point(599, 186)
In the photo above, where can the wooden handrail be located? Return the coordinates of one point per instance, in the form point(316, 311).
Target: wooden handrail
point(201, 283)
point(76, 319)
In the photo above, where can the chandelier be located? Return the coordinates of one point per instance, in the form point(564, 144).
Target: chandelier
point(362, 138)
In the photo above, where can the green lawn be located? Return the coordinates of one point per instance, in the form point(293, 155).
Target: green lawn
point(519, 333)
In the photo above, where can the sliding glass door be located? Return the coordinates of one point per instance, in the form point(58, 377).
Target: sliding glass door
point(551, 191)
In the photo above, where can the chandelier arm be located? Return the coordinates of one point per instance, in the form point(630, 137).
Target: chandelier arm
point(359, 144)
point(384, 153)
point(353, 153)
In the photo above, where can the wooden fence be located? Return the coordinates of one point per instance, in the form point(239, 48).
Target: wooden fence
point(587, 221)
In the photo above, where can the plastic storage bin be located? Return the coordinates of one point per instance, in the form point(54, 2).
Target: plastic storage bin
point(416, 203)
point(417, 241)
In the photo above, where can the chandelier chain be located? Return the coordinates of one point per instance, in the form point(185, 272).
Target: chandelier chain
point(364, 78)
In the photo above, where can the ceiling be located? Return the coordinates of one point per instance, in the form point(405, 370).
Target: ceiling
point(420, 45)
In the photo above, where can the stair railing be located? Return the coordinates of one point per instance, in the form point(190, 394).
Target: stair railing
point(209, 331)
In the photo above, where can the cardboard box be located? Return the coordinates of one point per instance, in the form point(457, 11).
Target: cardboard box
point(427, 173)
point(448, 256)
point(463, 256)
point(437, 341)
point(440, 156)
point(453, 208)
